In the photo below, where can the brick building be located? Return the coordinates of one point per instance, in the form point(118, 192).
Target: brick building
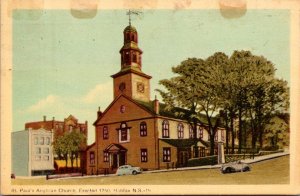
point(136, 130)
point(60, 127)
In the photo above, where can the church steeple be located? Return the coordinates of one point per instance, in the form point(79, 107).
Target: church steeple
point(131, 54)
point(130, 80)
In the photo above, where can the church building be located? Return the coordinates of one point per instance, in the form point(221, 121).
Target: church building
point(138, 131)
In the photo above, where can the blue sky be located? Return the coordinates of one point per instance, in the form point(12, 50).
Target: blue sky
point(62, 65)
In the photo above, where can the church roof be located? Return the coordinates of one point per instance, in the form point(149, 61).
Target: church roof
point(177, 113)
point(131, 70)
point(130, 28)
point(184, 143)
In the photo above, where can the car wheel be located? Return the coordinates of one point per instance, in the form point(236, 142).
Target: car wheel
point(228, 170)
point(134, 172)
point(246, 169)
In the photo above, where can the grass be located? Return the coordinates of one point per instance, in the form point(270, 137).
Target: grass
point(275, 171)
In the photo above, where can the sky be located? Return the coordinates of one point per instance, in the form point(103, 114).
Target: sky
point(62, 64)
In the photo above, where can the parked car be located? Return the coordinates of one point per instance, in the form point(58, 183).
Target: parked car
point(236, 166)
point(128, 169)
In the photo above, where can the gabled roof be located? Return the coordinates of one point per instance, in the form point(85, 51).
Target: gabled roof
point(129, 99)
point(177, 113)
point(115, 147)
point(184, 143)
point(71, 117)
point(90, 146)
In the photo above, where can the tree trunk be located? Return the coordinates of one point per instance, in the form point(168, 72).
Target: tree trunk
point(261, 137)
point(232, 134)
point(66, 159)
point(254, 139)
point(212, 145)
point(240, 131)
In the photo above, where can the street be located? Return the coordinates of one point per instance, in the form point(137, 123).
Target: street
point(274, 171)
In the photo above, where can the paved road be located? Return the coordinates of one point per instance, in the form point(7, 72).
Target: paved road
point(272, 171)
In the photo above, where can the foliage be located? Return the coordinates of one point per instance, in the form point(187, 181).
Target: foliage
point(68, 145)
point(277, 133)
point(241, 88)
point(210, 160)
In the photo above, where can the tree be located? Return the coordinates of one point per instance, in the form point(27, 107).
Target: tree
point(61, 147)
point(68, 146)
point(277, 133)
point(196, 88)
point(75, 141)
point(182, 92)
point(242, 87)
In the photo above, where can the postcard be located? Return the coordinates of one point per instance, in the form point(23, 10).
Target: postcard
point(132, 97)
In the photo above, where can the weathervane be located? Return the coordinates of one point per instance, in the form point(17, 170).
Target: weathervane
point(132, 12)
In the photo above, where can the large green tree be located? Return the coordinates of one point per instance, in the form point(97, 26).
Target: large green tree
point(69, 145)
point(241, 88)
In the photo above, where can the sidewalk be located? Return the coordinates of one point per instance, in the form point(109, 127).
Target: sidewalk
point(249, 161)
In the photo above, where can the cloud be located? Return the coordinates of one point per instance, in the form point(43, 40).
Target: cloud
point(99, 93)
point(50, 100)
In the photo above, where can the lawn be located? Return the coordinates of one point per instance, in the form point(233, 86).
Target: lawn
point(275, 171)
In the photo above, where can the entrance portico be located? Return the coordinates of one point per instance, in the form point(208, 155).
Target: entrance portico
point(116, 154)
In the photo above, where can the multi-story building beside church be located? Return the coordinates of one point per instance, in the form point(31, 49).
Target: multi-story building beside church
point(58, 128)
point(136, 130)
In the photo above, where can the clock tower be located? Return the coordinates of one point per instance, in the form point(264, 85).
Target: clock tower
point(130, 80)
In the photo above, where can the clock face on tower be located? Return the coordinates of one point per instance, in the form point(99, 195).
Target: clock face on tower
point(140, 87)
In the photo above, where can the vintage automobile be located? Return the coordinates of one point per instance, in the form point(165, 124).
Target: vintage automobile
point(236, 166)
point(128, 169)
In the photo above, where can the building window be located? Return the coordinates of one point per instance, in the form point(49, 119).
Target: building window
point(124, 133)
point(37, 158)
point(41, 141)
point(36, 140)
point(122, 86)
point(200, 132)
point(46, 158)
point(166, 154)
point(105, 133)
point(216, 136)
point(38, 150)
point(45, 150)
point(105, 157)
point(143, 129)
point(70, 128)
point(134, 57)
point(48, 140)
point(165, 129)
point(222, 136)
point(122, 108)
point(144, 155)
point(92, 158)
point(191, 132)
point(180, 130)
point(126, 57)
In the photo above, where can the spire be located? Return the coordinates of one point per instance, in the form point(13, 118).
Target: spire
point(131, 54)
point(129, 12)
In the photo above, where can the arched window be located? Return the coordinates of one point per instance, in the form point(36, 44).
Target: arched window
point(180, 131)
point(191, 132)
point(143, 129)
point(134, 58)
point(105, 132)
point(165, 129)
point(124, 135)
point(200, 129)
